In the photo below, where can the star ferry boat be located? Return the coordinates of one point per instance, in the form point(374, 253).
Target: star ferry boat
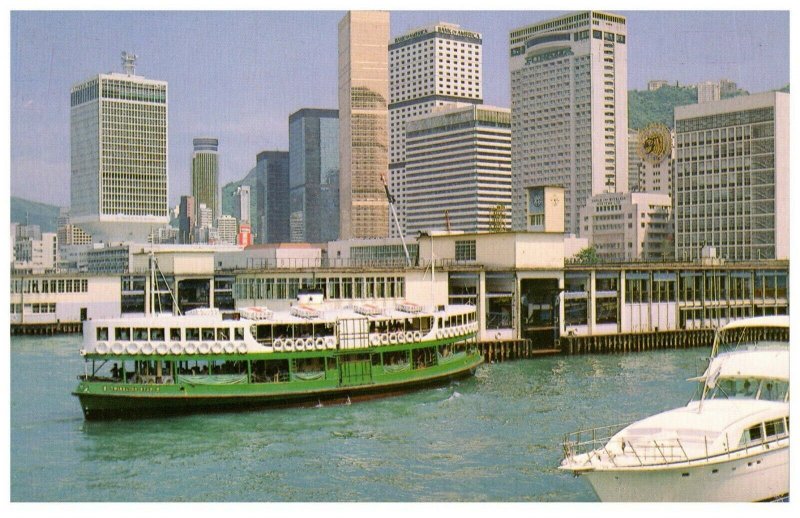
point(210, 360)
point(731, 443)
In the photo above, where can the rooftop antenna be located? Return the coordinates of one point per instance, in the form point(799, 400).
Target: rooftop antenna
point(129, 63)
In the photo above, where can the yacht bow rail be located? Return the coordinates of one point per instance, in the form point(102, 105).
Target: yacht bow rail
point(594, 443)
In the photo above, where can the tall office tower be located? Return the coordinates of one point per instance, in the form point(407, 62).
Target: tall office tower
point(241, 203)
point(118, 154)
point(458, 168)
point(205, 173)
point(272, 193)
point(433, 66)
point(569, 110)
point(186, 220)
point(314, 175)
point(363, 124)
point(732, 178)
point(708, 91)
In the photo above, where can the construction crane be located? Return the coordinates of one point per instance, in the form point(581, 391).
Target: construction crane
point(390, 199)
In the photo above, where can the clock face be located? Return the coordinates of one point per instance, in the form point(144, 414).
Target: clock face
point(655, 143)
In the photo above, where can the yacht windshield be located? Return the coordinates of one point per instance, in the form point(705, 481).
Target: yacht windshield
point(750, 388)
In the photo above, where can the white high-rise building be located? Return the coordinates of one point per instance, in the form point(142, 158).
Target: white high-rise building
point(433, 66)
point(228, 227)
point(732, 178)
point(569, 109)
point(118, 141)
point(708, 91)
point(458, 169)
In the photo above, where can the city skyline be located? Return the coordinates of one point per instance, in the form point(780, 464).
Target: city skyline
point(248, 106)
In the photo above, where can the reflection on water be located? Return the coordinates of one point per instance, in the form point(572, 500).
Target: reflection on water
point(494, 437)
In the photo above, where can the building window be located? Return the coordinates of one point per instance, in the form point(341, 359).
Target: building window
point(465, 250)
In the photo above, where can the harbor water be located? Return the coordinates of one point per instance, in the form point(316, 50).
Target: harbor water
point(495, 437)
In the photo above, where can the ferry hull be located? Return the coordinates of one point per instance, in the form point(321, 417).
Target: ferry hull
point(162, 400)
point(756, 478)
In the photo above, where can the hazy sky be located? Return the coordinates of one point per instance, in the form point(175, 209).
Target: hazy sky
point(238, 75)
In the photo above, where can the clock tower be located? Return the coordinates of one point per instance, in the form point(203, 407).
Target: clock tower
point(545, 209)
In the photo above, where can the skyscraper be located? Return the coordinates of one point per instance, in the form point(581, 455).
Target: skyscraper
point(433, 66)
point(732, 178)
point(272, 193)
point(205, 173)
point(118, 155)
point(186, 220)
point(363, 124)
point(458, 169)
point(314, 175)
point(569, 109)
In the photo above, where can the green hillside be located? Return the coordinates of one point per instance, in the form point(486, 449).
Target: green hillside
point(645, 107)
point(34, 213)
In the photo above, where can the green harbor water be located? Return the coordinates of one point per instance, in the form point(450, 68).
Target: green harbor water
point(495, 437)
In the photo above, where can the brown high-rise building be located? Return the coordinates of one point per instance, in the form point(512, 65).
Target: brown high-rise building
point(363, 124)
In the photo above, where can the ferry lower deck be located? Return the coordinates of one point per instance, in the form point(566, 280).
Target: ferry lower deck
point(136, 386)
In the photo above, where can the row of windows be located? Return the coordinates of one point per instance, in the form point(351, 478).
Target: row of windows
point(33, 308)
point(330, 287)
point(49, 285)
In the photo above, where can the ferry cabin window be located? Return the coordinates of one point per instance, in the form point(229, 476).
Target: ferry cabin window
point(223, 334)
point(207, 333)
point(238, 333)
point(175, 334)
point(157, 334)
point(102, 333)
point(192, 333)
point(122, 333)
point(139, 333)
point(774, 428)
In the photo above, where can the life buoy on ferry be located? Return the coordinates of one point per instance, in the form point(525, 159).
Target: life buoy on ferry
point(229, 348)
point(309, 344)
point(191, 348)
point(175, 348)
point(288, 345)
point(409, 336)
point(204, 348)
point(241, 348)
point(147, 348)
point(82, 352)
point(439, 333)
point(101, 347)
point(277, 344)
point(118, 348)
point(162, 348)
point(319, 343)
point(392, 338)
point(132, 348)
point(375, 339)
point(384, 338)
point(299, 344)
point(330, 342)
point(417, 336)
point(216, 348)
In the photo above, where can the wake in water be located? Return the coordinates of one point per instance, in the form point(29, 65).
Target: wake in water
point(454, 395)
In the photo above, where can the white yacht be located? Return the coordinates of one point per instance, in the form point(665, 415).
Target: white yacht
point(729, 444)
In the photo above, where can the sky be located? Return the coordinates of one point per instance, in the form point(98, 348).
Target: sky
point(238, 75)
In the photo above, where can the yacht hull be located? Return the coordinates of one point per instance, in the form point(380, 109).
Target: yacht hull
point(759, 477)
